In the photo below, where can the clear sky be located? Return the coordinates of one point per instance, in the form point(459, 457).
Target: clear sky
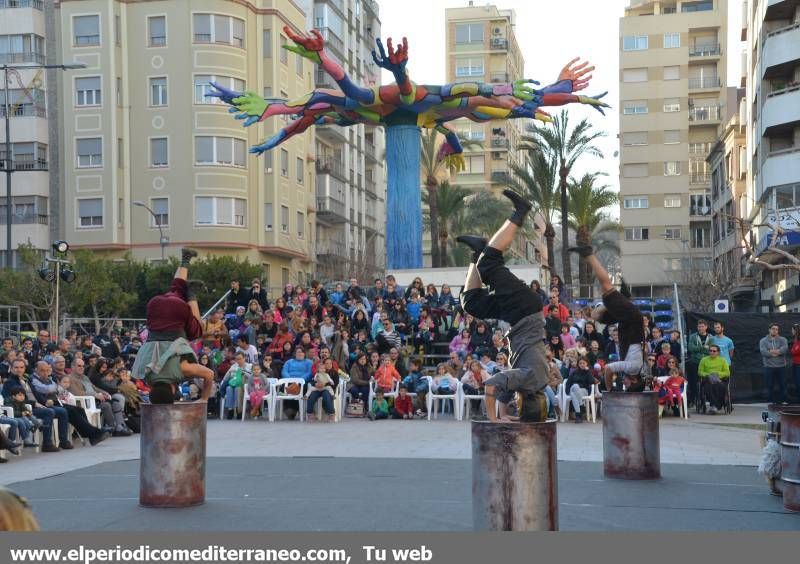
point(550, 33)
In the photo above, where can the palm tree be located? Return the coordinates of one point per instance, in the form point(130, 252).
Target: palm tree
point(566, 146)
point(536, 180)
point(433, 168)
point(449, 205)
point(591, 223)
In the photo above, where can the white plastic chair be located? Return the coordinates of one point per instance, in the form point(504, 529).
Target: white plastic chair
point(463, 400)
point(268, 399)
point(372, 386)
point(280, 395)
point(89, 405)
point(432, 398)
point(7, 412)
point(589, 402)
point(338, 405)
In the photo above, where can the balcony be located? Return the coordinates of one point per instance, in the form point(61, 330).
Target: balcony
point(704, 83)
point(499, 143)
point(25, 219)
point(324, 80)
point(331, 166)
point(370, 222)
point(25, 163)
point(331, 210)
point(500, 176)
point(369, 152)
point(331, 249)
point(704, 114)
point(705, 51)
point(24, 57)
point(781, 46)
point(371, 5)
point(699, 178)
point(37, 4)
point(497, 43)
point(781, 108)
point(332, 133)
point(332, 40)
point(371, 187)
point(781, 167)
point(499, 77)
point(700, 211)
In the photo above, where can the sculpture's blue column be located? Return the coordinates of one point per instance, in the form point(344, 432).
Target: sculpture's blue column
point(403, 203)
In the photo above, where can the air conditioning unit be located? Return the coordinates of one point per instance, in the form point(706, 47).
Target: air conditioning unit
point(497, 31)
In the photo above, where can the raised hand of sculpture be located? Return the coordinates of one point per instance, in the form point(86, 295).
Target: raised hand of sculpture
point(404, 103)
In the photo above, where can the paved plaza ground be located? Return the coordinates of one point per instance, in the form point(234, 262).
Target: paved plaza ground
point(405, 475)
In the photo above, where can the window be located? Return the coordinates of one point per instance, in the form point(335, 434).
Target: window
point(672, 40)
point(706, 6)
point(202, 87)
point(636, 203)
point(90, 213)
point(672, 168)
point(284, 53)
point(87, 90)
point(632, 107)
point(672, 73)
point(267, 44)
point(158, 91)
point(284, 276)
point(474, 164)
point(672, 136)
point(672, 233)
point(634, 138)
point(469, 33)
point(284, 219)
point(672, 201)
point(157, 31)
point(220, 211)
point(301, 225)
point(634, 75)
point(119, 91)
point(672, 264)
point(159, 152)
point(634, 43)
point(120, 212)
point(635, 170)
point(700, 204)
point(120, 153)
point(27, 48)
point(267, 156)
point(117, 30)
point(636, 234)
point(268, 211)
point(672, 105)
point(214, 28)
point(469, 66)
point(298, 65)
point(227, 151)
point(787, 196)
point(86, 30)
point(90, 152)
point(160, 207)
point(701, 237)
point(284, 162)
point(299, 170)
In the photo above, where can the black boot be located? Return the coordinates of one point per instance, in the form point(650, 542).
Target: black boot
point(583, 250)
point(579, 416)
point(477, 244)
point(521, 207)
point(186, 256)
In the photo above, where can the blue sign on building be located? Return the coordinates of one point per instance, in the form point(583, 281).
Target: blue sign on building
point(786, 239)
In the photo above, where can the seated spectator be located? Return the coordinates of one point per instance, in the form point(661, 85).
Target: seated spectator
point(554, 380)
point(556, 347)
point(387, 338)
point(552, 323)
point(322, 387)
point(567, 340)
point(258, 388)
point(662, 357)
point(327, 330)
point(443, 382)
point(386, 375)
point(110, 403)
point(447, 300)
point(359, 379)
point(232, 386)
point(403, 408)
point(648, 372)
point(675, 343)
point(654, 342)
point(669, 392)
point(25, 425)
point(298, 367)
point(398, 361)
point(431, 297)
point(416, 383)
point(259, 294)
point(314, 309)
point(460, 344)
point(592, 335)
point(379, 408)
point(325, 354)
point(481, 340)
point(594, 354)
point(580, 385)
point(473, 379)
point(713, 372)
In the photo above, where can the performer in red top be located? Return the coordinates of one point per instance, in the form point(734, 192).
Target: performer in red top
point(166, 358)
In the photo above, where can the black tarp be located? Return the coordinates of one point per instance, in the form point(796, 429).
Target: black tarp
point(747, 330)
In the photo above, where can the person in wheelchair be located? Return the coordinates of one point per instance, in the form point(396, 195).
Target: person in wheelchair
point(713, 373)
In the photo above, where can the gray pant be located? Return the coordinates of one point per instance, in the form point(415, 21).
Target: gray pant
point(113, 412)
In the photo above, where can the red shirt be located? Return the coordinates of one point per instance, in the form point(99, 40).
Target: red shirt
point(169, 313)
point(795, 351)
point(403, 405)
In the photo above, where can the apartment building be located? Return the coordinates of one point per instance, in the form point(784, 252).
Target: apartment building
point(351, 174)
point(26, 40)
point(673, 102)
point(482, 46)
point(772, 59)
point(139, 128)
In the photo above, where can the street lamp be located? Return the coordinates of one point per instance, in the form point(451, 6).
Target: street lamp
point(161, 238)
point(62, 272)
point(9, 165)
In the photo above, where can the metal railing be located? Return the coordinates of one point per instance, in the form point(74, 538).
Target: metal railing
point(704, 113)
point(371, 187)
point(26, 219)
point(331, 248)
point(24, 57)
point(331, 166)
point(369, 150)
point(25, 110)
point(325, 80)
point(704, 82)
point(329, 205)
point(699, 178)
point(38, 4)
point(332, 39)
point(26, 163)
point(704, 51)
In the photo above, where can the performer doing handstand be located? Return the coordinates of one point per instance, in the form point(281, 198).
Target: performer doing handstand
point(510, 299)
point(618, 309)
point(166, 359)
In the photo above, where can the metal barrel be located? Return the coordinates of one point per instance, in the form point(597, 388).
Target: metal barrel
point(790, 459)
point(172, 471)
point(631, 449)
point(774, 433)
point(514, 476)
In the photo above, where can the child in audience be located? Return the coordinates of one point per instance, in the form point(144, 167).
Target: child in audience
point(443, 382)
point(403, 408)
point(417, 383)
point(380, 407)
point(258, 386)
point(26, 423)
point(386, 375)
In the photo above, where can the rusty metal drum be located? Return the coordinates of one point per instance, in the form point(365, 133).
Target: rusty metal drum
point(514, 476)
point(790, 459)
point(173, 455)
point(773, 422)
point(631, 445)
